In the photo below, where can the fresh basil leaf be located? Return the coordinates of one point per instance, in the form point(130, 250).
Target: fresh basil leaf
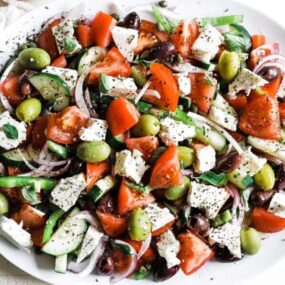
point(10, 131)
point(144, 107)
point(30, 195)
point(212, 178)
point(122, 247)
point(145, 190)
point(70, 45)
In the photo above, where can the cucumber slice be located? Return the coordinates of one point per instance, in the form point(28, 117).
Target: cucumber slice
point(67, 237)
point(53, 89)
point(117, 142)
point(222, 20)
point(58, 149)
point(61, 264)
point(240, 179)
point(90, 57)
point(13, 157)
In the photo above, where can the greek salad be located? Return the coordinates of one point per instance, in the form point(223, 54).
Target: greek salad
point(132, 148)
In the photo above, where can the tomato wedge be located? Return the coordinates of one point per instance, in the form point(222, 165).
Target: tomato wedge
point(272, 88)
point(102, 26)
point(39, 137)
point(146, 145)
point(239, 102)
point(63, 127)
point(202, 91)
point(121, 116)
point(282, 110)
point(11, 91)
point(257, 41)
point(266, 222)
point(114, 64)
point(60, 62)
point(94, 172)
point(184, 36)
point(164, 82)
point(163, 229)
point(261, 118)
point(194, 253)
point(130, 199)
point(166, 171)
point(84, 35)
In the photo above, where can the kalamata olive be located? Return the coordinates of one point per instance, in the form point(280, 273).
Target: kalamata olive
point(105, 265)
point(223, 254)
point(161, 272)
point(199, 223)
point(229, 162)
point(24, 85)
point(76, 166)
point(131, 21)
point(269, 73)
point(107, 203)
point(162, 51)
point(281, 179)
point(260, 198)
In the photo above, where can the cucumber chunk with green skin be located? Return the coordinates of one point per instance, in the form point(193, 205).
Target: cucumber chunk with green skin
point(68, 236)
point(58, 149)
point(4, 205)
point(53, 89)
point(13, 157)
point(222, 20)
point(61, 264)
point(117, 142)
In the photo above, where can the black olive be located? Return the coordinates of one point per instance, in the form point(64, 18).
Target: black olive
point(76, 166)
point(260, 198)
point(229, 162)
point(163, 4)
point(223, 254)
point(269, 73)
point(162, 51)
point(281, 179)
point(24, 85)
point(105, 265)
point(199, 223)
point(131, 21)
point(107, 204)
point(161, 272)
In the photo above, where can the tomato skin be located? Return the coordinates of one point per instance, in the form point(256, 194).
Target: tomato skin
point(60, 62)
point(130, 199)
point(11, 91)
point(94, 172)
point(272, 88)
point(257, 41)
point(121, 116)
point(282, 110)
point(194, 252)
point(63, 127)
point(166, 171)
point(266, 222)
point(101, 27)
point(163, 229)
point(164, 82)
point(146, 145)
point(202, 92)
point(84, 35)
point(239, 103)
point(261, 118)
point(39, 137)
point(184, 38)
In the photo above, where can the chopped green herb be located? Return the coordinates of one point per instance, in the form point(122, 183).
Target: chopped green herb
point(70, 45)
point(212, 178)
point(164, 22)
point(10, 131)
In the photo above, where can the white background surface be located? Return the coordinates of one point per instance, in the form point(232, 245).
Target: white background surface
point(10, 275)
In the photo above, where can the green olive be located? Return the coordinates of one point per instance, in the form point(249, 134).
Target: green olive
point(265, 178)
point(139, 225)
point(93, 152)
point(186, 155)
point(29, 110)
point(4, 205)
point(250, 241)
point(147, 125)
point(229, 65)
point(34, 58)
point(177, 192)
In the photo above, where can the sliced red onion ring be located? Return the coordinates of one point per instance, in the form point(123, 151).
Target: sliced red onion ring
point(186, 67)
point(234, 192)
point(230, 139)
point(87, 216)
point(271, 158)
point(144, 247)
point(118, 276)
point(187, 172)
point(270, 58)
point(274, 49)
point(2, 170)
point(142, 91)
point(272, 64)
point(77, 267)
point(31, 167)
point(91, 110)
point(51, 163)
point(151, 92)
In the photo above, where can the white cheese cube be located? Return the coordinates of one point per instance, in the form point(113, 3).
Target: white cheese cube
point(277, 205)
point(246, 80)
point(126, 41)
point(69, 76)
point(130, 164)
point(67, 191)
point(90, 242)
point(159, 217)
point(14, 233)
point(221, 103)
point(281, 90)
point(172, 132)
point(64, 37)
point(95, 130)
point(184, 83)
point(206, 46)
point(205, 159)
point(227, 235)
point(207, 197)
point(7, 122)
point(168, 247)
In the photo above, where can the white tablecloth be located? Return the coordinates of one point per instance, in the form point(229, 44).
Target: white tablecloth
point(10, 275)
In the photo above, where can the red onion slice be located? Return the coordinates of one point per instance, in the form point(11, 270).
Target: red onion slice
point(77, 267)
point(274, 49)
point(142, 91)
point(144, 247)
point(31, 167)
point(187, 172)
point(87, 216)
point(151, 92)
point(272, 64)
point(91, 110)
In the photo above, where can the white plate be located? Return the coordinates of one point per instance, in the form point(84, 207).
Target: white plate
point(41, 266)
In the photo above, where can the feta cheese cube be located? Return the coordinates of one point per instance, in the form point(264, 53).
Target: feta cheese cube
point(245, 81)
point(67, 191)
point(206, 46)
point(14, 233)
point(168, 247)
point(90, 242)
point(205, 159)
point(172, 132)
point(64, 37)
point(184, 83)
point(207, 197)
point(130, 164)
point(95, 130)
point(277, 205)
point(69, 76)
point(227, 235)
point(7, 121)
point(159, 217)
point(126, 41)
